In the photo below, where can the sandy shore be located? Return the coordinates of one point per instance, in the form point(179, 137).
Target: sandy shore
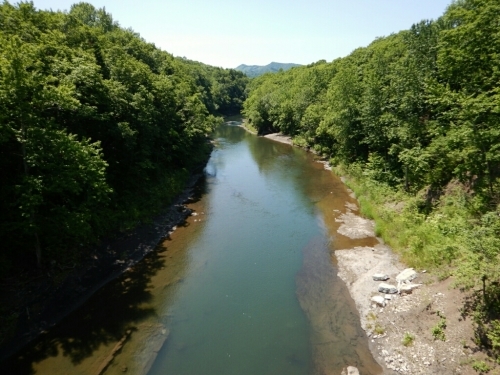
point(278, 137)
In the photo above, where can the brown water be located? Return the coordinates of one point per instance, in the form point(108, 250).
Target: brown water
point(247, 286)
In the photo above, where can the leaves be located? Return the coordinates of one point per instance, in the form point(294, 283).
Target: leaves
point(97, 126)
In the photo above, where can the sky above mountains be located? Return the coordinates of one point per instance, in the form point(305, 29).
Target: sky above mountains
point(228, 33)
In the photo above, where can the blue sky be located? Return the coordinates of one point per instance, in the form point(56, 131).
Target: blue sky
point(227, 33)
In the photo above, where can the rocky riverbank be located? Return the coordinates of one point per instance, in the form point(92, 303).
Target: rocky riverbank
point(414, 323)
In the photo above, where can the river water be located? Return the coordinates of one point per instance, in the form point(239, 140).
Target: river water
point(246, 286)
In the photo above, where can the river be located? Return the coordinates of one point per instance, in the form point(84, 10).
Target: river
point(246, 286)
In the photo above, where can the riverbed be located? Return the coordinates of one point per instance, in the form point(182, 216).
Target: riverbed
point(246, 285)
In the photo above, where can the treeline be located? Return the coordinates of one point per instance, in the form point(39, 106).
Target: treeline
point(98, 128)
point(417, 114)
point(420, 107)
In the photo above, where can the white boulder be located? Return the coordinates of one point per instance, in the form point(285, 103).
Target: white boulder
point(379, 300)
point(387, 288)
point(380, 277)
point(406, 275)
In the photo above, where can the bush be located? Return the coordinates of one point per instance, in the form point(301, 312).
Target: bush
point(408, 339)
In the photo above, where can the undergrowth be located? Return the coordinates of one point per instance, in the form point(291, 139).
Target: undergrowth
point(438, 330)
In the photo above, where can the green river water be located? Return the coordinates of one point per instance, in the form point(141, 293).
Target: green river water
point(247, 286)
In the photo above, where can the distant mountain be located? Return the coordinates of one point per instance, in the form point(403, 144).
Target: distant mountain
point(257, 70)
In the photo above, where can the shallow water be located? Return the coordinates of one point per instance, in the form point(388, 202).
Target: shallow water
point(247, 286)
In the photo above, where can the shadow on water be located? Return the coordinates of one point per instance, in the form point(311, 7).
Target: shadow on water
point(124, 310)
point(105, 319)
point(83, 341)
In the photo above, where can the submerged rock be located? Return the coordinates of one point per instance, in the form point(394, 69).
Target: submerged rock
point(387, 288)
point(355, 227)
point(350, 370)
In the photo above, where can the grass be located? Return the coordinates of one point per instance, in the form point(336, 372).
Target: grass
point(408, 339)
point(423, 239)
point(481, 366)
point(438, 330)
point(379, 330)
point(371, 316)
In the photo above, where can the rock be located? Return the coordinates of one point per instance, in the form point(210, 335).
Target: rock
point(379, 300)
point(406, 275)
point(387, 288)
point(408, 288)
point(388, 296)
point(350, 370)
point(380, 277)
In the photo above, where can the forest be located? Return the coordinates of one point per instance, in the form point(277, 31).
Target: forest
point(414, 120)
point(98, 129)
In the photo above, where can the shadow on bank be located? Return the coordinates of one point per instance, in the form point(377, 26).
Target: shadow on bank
point(107, 319)
point(110, 315)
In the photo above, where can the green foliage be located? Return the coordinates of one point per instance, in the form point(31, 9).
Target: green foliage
point(408, 339)
point(493, 335)
point(481, 366)
point(438, 330)
point(97, 127)
point(379, 330)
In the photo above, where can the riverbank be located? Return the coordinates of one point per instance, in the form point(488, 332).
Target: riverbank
point(278, 137)
point(45, 300)
point(420, 332)
point(404, 333)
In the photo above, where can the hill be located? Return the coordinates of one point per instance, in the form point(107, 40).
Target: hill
point(257, 70)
